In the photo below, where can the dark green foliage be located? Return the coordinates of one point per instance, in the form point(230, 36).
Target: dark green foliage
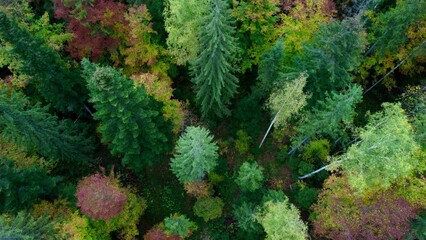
point(245, 215)
point(332, 116)
point(179, 225)
point(270, 69)
point(248, 114)
point(306, 196)
point(305, 168)
point(32, 127)
point(131, 122)
point(317, 151)
point(391, 26)
point(48, 74)
point(23, 226)
point(250, 176)
point(208, 208)
point(418, 227)
point(20, 188)
point(274, 196)
point(334, 52)
point(215, 84)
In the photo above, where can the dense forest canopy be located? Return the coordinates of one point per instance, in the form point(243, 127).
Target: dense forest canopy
point(213, 119)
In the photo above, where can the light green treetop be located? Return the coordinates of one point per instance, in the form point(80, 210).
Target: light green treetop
point(281, 220)
point(183, 23)
point(384, 153)
point(250, 176)
point(288, 100)
point(196, 155)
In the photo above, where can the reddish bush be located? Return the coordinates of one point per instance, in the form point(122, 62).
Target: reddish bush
point(156, 233)
point(100, 30)
point(100, 197)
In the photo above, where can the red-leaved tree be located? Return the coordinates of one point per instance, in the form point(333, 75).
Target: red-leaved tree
point(342, 215)
point(101, 29)
point(157, 233)
point(100, 197)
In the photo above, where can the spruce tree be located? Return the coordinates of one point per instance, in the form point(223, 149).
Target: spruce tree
point(20, 188)
point(33, 128)
point(196, 155)
point(214, 81)
point(250, 177)
point(25, 226)
point(332, 116)
point(334, 52)
point(49, 76)
point(131, 122)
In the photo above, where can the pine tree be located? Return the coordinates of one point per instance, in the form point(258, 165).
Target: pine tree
point(250, 176)
point(48, 73)
point(24, 226)
point(214, 81)
point(179, 225)
point(131, 122)
point(335, 51)
point(270, 68)
point(33, 128)
point(20, 188)
point(332, 116)
point(196, 155)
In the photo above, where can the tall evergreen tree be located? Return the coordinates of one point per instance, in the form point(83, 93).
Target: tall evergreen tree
point(214, 81)
point(131, 122)
point(332, 116)
point(33, 128)
point(48, 73)
point(270, 68)
point(25, 226)
point(196, 155)
point(20, 188)
point(335, 51)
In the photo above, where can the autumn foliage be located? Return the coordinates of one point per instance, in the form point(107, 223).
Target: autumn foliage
point(100, 197)
point(100, 31)
point(341, 215)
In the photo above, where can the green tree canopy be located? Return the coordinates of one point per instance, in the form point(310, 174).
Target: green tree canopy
point(281, 220)
point(179, 225)
point(131, 122)
point(335, 51)
point(32, 127)
point(48, 73)
point(258, 30)
point(250, 176)
point(22, 187)
point(208, 208)
point(288, 100)
point(385, 151)
point(214, 81)
point(332, 116)
point(245, 214)
point(183, 23)
point(196, 155)
point(24, 226)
